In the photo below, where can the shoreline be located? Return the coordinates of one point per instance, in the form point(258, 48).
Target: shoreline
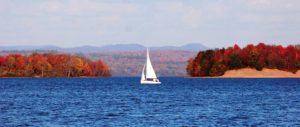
point(53, 77)
point(220, 77)
point(253, 73)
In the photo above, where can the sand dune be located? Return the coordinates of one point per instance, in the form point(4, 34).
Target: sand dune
point(265, 73)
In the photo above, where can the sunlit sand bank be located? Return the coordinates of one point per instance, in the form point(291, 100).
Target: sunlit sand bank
point(265, 73)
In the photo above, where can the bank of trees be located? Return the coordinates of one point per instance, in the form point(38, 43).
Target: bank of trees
point(51, 65)
point(217, 62)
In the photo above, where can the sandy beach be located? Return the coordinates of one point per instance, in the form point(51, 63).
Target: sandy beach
point(265, 73)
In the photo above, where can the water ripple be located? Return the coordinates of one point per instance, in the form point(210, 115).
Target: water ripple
point(124, 102)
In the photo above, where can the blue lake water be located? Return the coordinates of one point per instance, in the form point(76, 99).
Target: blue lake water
point(124, 102)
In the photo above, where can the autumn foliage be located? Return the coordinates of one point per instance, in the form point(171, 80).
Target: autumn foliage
point(51, 65)
point(217, 62)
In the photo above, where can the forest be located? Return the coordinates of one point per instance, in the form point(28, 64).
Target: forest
point(51, 65)
point(216, 62)
point(130, 63)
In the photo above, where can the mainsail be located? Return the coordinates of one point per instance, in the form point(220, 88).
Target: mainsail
point(150, 74)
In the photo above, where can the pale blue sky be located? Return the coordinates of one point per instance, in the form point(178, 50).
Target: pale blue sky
point(215, 23)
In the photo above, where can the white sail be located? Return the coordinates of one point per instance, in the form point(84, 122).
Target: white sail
point(148, 74)
point(149, 69)
point(143, 74)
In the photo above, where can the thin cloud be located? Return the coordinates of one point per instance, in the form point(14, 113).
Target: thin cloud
point(176, 22)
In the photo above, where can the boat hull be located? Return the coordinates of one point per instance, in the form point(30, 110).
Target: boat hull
point(150, 82)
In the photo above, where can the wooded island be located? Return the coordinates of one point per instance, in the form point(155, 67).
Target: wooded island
point(216, 62)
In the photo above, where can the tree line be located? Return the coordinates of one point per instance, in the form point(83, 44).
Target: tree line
point(130, 63)
point(216, 62)
point(51, 65)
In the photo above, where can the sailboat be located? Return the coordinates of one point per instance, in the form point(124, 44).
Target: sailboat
point(148, 74)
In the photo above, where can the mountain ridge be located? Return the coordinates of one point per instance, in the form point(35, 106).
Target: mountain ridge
point(105, 48)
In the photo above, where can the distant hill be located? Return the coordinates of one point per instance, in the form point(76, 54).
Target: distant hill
point(188, 47)
point(106, 48)
point(29, 48)
point(122, 47)
point(165, 63)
